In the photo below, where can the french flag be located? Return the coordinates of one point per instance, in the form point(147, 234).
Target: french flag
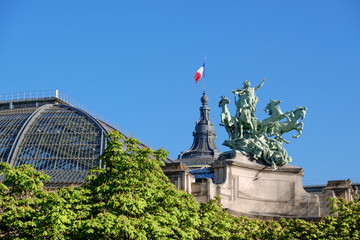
point(199, 73)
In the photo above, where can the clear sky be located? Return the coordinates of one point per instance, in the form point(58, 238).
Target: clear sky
point(133, 62)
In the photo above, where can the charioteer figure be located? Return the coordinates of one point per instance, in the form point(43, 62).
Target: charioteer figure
point(259, 139)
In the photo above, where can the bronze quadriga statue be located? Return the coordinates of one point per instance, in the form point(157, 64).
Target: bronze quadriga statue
point(259, 139)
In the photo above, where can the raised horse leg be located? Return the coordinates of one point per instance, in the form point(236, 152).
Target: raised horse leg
point(298, 128)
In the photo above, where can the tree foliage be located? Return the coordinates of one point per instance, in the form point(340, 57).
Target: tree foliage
point(131, 198)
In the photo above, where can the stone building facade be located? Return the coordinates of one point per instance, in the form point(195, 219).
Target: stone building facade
point(247, 186)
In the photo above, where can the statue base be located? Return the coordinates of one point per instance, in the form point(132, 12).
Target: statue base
point(252, 187)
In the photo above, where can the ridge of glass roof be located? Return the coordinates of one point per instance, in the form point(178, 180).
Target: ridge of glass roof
point(54, 96)
point(21, 99)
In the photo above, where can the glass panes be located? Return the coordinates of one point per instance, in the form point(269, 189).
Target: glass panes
point(11, 121)
point(56, 139)
point(59, 141)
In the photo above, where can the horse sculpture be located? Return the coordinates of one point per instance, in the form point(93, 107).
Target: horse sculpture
point(268, 124)
point(261, 140)
point(230, 123)
point(293, 122)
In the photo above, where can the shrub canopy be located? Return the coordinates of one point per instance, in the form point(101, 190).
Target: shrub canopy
point(131, 198)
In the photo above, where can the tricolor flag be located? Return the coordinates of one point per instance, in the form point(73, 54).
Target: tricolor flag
point(199, 73)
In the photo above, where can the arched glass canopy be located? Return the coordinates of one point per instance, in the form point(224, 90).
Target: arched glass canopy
point(54, 137)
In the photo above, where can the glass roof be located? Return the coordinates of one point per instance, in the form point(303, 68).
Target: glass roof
point(59, 140)
point(11, 122)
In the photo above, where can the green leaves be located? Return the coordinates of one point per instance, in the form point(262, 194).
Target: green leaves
point(27, 210)
point(131, 198)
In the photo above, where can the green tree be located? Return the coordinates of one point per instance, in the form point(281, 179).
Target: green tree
point(131, 197)
point(345, 220)
point(26, 209)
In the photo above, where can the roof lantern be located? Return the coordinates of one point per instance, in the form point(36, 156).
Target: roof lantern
point(203, 151)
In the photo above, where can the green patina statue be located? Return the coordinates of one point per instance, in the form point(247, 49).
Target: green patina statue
point(259, 139)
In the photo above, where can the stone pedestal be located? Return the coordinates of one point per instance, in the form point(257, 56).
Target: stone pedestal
point(251, 187)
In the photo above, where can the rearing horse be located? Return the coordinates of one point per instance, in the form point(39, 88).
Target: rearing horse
point(293, 122)
point(230, 122)
point(268, 124)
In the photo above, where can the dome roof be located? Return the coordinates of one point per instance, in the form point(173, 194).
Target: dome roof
point(203, 151)
point(56, 138)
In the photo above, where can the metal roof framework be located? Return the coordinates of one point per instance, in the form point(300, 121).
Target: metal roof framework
point(53, 133)
point(54, 137)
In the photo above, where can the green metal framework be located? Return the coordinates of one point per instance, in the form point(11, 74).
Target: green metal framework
point(53, 133)
point(56, 138)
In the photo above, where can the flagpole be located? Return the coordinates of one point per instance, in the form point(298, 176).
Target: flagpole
point(204, 71)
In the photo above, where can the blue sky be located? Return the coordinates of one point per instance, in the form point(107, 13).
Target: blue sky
point(133, 62)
